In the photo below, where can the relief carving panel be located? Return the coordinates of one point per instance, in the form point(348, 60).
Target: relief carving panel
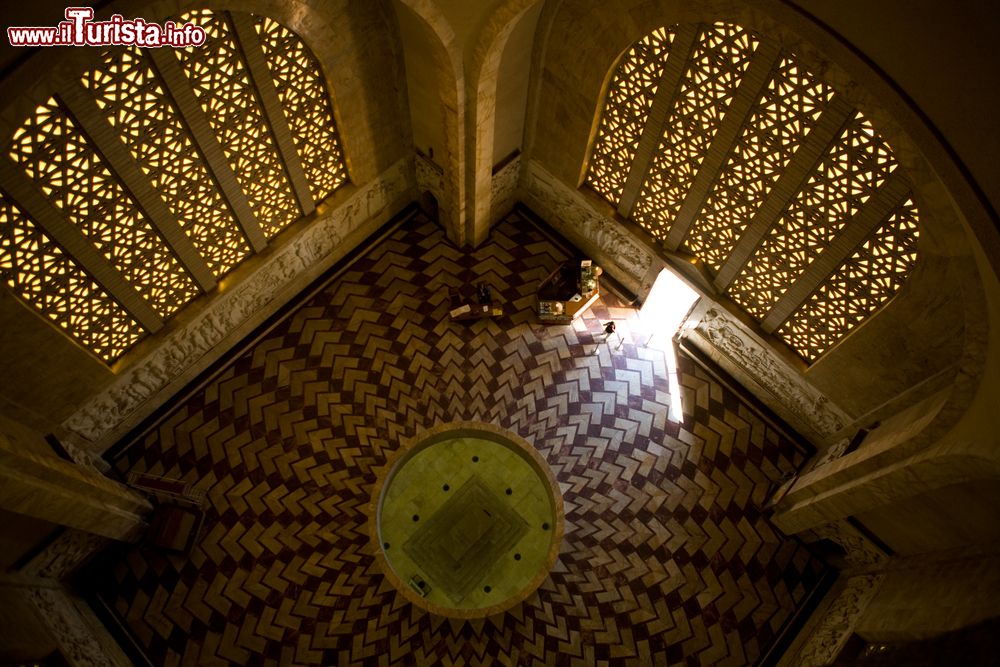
point(430, 177)
point(65, 554)
point(777, 384)
point(600, 236)
point(860, 551)
point(76, 639)
point(503, 187)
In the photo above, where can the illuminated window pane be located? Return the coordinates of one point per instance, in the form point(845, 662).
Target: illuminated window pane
point(626, 110)
point(69, 172)
point(139, 109)
point(37, 270)
point(304, 99)
point(867, 280)
point(850, 172)
point(221, 83)
point(713, 75)
point(789, 109)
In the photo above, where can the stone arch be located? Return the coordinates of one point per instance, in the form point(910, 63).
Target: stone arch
point(946, 300)
point(441, 174)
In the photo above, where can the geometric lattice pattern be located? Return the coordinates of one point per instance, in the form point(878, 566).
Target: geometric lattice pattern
point(306, 104)
point(789, 108)
point(851, 171)
point(667, 556)
point(867, 280)
point(35, 268)
point(56, 155)
point(713, 75)
point(70, 172)
point(221, 83)
point(630, 97)
point(135, 103)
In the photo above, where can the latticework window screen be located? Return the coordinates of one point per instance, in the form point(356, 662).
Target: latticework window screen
point(80, 191)
point(849, 173)
point(814, 208)
point(790, 107)
point(868, 279)
point(306, 105)
point(714, 72)
point(625, 113)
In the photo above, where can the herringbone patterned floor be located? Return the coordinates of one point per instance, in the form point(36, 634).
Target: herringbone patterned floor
point(666, 558)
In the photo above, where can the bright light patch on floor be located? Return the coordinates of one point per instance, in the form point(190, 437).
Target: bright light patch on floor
point(661, 315)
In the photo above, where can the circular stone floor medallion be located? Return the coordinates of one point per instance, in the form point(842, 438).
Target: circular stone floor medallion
point(468, 520)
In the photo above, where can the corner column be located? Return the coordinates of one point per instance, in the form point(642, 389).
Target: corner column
point(60, 492)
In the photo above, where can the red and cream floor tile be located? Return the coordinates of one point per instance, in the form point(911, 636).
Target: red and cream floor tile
point(667, 557)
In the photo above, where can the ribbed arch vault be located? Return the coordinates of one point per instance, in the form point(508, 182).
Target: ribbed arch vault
point(722, 146)
point(126, 196)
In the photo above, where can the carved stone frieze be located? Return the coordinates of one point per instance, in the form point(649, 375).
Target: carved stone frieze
point(430, 176)
point(312, 248)
point(600, 236)
point(65, 554)
point(503, 188)
point(860, 551)
point(839, 621)
point(780, 386)
point(76, 638)
point(832, 453)
point(85, 458)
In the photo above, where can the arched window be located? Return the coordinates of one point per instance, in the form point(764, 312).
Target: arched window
point(36, 268)
point(127, 196)
point(721, 145)
point(135, 103)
